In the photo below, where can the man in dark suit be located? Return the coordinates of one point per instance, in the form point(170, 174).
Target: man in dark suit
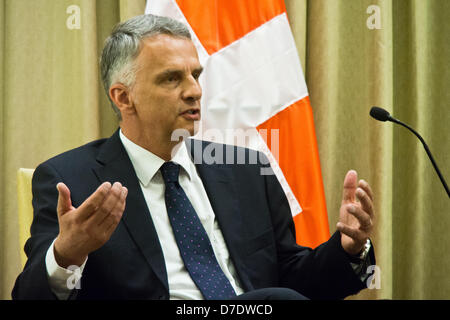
point(117, 238)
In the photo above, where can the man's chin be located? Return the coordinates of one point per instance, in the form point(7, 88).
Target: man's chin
point(187, 131)
point(195, 128)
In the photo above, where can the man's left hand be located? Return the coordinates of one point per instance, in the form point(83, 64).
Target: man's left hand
point(356, 214)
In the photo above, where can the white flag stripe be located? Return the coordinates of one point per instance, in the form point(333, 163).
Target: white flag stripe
point(248, 82)
point(252, 79)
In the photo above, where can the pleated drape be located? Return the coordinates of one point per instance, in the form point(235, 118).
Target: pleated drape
point(404, 67)
point(51, 98)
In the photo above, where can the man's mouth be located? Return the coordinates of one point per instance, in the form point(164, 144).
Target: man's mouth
point(191, 114)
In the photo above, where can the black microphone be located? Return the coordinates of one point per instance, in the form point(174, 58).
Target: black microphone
point(382, 115)
point(379, 114)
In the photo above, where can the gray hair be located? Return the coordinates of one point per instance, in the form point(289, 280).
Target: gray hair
point(123, 46)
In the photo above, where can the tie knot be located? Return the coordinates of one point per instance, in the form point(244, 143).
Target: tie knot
point(170, 171)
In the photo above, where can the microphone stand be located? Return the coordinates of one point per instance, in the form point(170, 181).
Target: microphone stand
point(426, 149)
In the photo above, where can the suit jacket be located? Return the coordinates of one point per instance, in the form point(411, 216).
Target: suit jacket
point(252, 211)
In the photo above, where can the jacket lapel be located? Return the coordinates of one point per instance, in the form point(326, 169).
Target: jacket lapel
point(221, 190)
point(136, 217)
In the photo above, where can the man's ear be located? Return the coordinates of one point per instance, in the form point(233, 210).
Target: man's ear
point(121, 96)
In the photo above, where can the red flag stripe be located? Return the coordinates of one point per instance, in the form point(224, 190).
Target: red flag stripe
point(299, 161)
point(219, 23)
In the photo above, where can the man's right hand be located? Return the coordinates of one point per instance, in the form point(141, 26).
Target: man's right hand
point(88, 227)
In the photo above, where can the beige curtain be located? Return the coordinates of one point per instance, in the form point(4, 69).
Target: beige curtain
point(51, 100)
point(51, 97)
point(403, 65)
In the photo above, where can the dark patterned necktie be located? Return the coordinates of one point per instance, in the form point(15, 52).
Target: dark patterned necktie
point(192, 240)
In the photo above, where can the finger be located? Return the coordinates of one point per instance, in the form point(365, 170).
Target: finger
point(356, 235)
point(365, 200)
point(353, 233)
point(352, 239)
point(116, 215)
point(350, 185)
point(120, 206)
point(95, 200)
point(366, 187)
point(108, 204)
point(362, 217)
point(64, 202)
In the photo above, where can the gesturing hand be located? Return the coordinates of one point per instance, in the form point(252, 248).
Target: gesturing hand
point(88, 227)
point(356, 214)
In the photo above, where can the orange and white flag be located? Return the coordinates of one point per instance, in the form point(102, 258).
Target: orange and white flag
point(255, 95)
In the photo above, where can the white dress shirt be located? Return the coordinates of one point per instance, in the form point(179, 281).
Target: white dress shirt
point(146, 166)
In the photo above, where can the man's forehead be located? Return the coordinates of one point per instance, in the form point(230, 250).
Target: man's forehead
point(165, 41)
point(164, 49)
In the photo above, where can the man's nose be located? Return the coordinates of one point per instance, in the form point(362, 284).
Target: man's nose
point(193, 91)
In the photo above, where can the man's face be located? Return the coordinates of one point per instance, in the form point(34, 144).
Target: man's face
point(166, 94)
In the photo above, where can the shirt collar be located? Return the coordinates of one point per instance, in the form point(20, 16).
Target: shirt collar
point(146, 164)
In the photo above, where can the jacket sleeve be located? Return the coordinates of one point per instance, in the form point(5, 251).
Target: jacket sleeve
point(322, 273)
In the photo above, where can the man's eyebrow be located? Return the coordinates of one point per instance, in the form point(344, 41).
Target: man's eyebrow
point(169, 72)
point(198, 70)
point(176, 72)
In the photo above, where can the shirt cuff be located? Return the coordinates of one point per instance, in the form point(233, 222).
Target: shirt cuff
point(361, 262)
point(61, 280)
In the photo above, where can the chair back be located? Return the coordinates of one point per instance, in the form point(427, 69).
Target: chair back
point(25, 207)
